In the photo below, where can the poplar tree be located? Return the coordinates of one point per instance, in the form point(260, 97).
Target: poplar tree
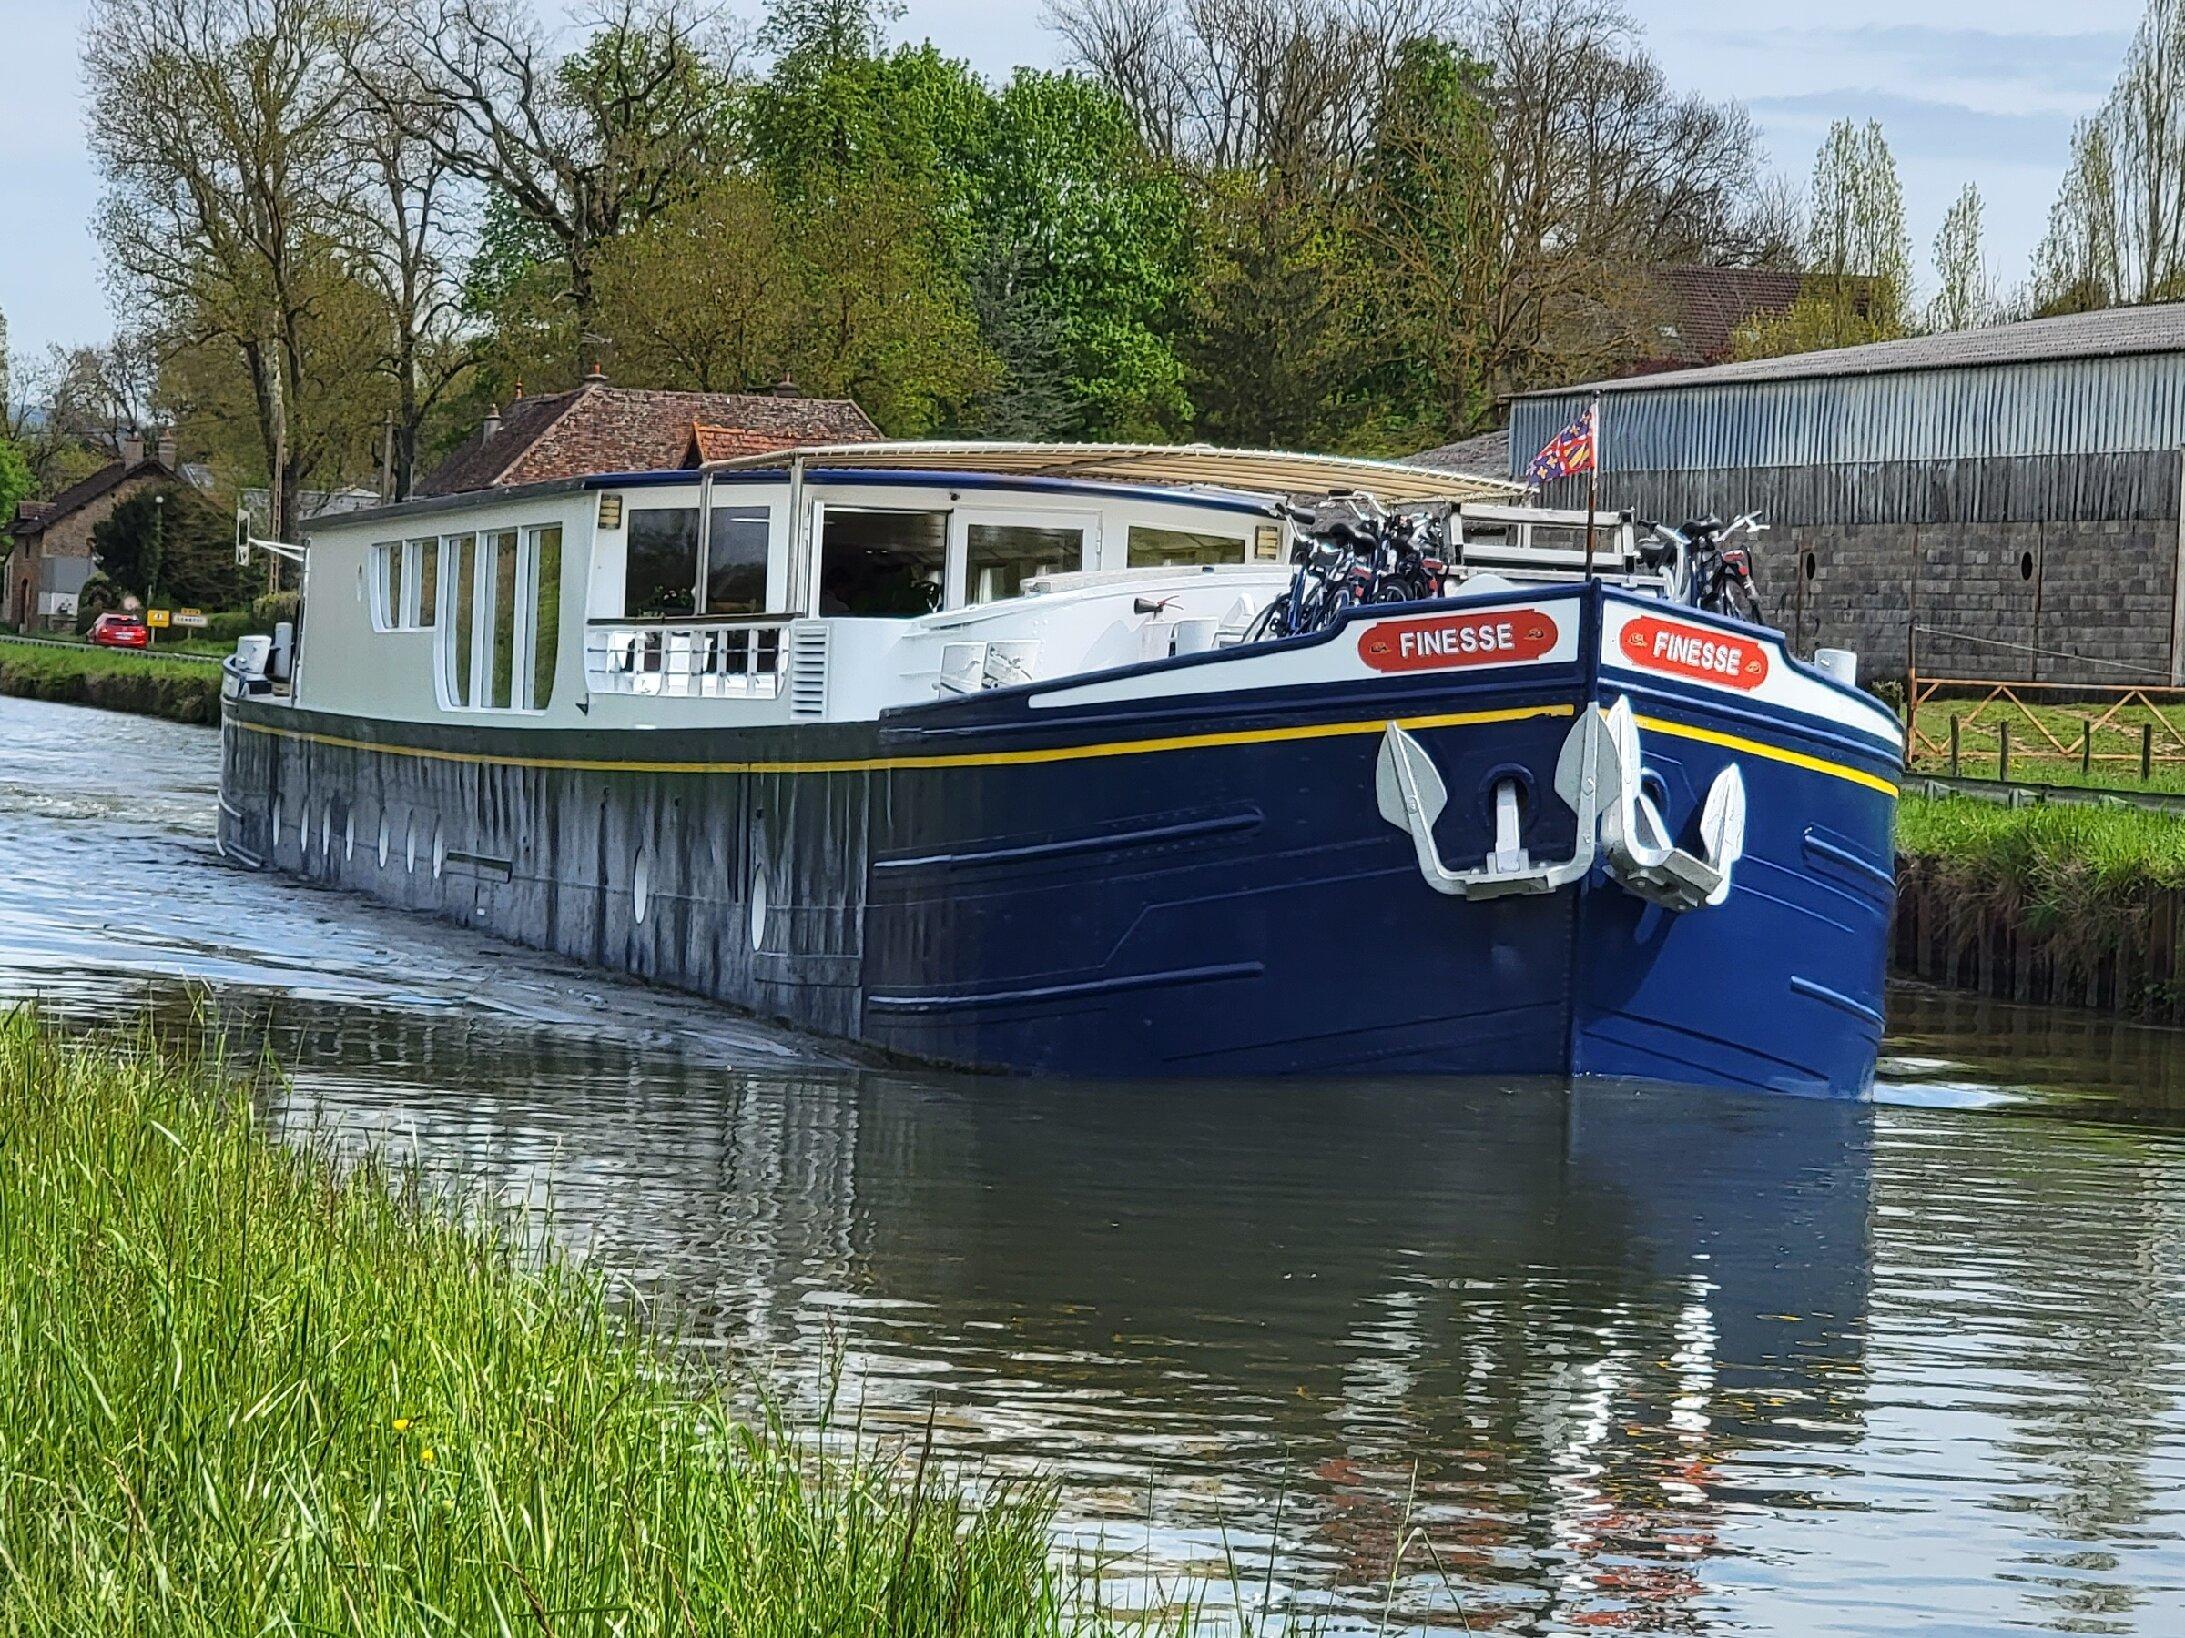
point(1858, 283)
point(1964, 293)
point(2116, 233)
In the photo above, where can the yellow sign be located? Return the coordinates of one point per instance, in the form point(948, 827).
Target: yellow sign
point(156, 619)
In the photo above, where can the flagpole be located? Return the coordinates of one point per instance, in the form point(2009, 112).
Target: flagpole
point(1593, 475)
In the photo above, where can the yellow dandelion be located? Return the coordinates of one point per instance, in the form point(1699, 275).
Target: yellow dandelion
point(402, 1424)
point(425, 1456)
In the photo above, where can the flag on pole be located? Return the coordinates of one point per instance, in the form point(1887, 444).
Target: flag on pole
point(1570, 451)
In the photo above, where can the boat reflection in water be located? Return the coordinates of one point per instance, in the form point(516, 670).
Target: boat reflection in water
point(1581, 1340)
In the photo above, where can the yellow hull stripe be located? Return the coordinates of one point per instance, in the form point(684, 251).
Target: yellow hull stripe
point(967, 759)
point(1774, 753)
point(1076, 753)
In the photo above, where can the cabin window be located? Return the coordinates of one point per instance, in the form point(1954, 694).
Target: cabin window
point(1152, 548)
point(405, 578)
point(736, 551)
point(502, 598)
point(660, 562)
point(668, 570)
point(459, 631)
point(386, 582)
point(424, 578)
point(882, 563)
point(500, 678)
point(545, 622)
point(1000, 557)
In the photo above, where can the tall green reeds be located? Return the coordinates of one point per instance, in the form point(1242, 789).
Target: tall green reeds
point(244, 1390)
point(2066, 868)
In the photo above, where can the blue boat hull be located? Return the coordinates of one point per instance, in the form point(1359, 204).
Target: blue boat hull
point(1173, 885)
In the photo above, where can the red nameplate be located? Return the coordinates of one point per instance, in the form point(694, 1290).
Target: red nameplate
point(1694, 651)
point(1491, 638)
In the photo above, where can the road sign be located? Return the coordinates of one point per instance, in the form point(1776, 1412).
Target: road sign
point(194, 619)
point(157, 619)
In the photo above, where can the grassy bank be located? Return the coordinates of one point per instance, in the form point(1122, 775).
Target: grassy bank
point(82, 675)
point(2066, 868)
point(243, 1392)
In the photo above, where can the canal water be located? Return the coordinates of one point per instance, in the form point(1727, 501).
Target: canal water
point(1393, 1356)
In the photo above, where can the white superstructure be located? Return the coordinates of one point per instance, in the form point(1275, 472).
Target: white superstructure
point(826, 584)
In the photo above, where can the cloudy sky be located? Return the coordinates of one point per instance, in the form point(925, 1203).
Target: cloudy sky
point(1967, 90)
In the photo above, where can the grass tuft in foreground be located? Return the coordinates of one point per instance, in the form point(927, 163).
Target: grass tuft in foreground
point(244, 1391)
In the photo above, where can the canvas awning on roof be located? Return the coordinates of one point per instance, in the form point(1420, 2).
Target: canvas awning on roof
point(1251, 471)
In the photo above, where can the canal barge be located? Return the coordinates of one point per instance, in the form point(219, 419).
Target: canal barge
point(981, 755)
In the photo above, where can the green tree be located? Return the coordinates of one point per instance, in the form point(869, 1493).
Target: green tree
point(1858, 285)
point(1270, 346)
point(171, 541)
point(1964, 293)
point(2116, 232)
point(1438, 254)
point(1072, 244)
point(219, 128)
point(736, 288)
point(1084, 265)
point(16, 481)
point(581, 146)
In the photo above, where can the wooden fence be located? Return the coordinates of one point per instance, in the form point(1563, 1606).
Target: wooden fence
point(2124, 729)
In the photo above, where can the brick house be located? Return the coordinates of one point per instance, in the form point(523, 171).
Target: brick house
point(598, 428)
point(50, 541)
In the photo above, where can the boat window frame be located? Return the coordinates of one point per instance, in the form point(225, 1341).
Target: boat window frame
point(395, 577)
point(1245, 534)
point(778, 594)
point(963, 519)
point(816, 551)
point(484, 597)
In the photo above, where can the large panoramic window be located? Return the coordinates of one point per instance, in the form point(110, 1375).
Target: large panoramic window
point(668, 570)
point(1175, 548)
point(1000, 557)
point(882, 563)
point(501, 595)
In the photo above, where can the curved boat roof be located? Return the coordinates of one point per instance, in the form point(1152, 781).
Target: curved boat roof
point(1251, 471)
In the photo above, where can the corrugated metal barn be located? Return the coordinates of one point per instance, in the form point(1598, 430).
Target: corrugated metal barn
point(2013, 491)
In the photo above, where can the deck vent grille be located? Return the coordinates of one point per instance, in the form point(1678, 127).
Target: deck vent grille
point(808, 669)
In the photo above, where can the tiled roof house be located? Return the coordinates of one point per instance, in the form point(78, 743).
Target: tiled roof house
point(49, 543)
point(598, 428)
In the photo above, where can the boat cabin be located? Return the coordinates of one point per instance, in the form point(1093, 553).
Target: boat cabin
point(812, 584)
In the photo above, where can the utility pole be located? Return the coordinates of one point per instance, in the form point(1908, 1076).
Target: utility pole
point(158, 564)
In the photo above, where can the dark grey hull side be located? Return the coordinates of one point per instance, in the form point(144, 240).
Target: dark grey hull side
point(660, 875)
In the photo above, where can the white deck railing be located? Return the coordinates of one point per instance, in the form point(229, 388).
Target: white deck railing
point(741, 661)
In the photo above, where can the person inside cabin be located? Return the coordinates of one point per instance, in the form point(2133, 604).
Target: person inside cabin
point(883, 564)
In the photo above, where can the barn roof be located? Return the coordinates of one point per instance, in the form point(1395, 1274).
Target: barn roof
point(2109, 333)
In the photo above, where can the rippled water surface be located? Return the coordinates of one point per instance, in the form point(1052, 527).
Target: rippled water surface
point(1606, 1358)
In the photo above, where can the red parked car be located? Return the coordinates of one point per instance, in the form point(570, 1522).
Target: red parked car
point(120, 631)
